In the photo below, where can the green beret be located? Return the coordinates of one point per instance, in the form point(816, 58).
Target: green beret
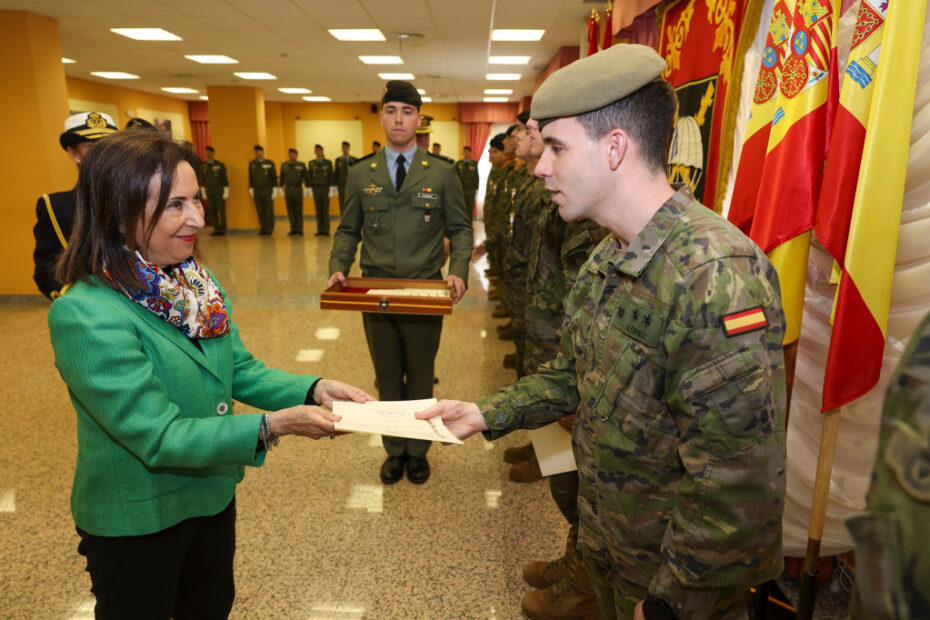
point(596, 81)
point(404, 92)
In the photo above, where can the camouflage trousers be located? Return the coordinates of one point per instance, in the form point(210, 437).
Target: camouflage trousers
point(618, 597)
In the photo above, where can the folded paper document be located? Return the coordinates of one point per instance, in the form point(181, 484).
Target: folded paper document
point(392, 418)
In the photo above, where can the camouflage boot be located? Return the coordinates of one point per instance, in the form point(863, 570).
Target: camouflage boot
point(544, 574)
point(573, 598)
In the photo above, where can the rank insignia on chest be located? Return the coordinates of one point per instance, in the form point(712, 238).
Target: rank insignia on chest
point(745, 321)
point(373, 189)
point(425, 163)
point(374, 165)
point(428, 194)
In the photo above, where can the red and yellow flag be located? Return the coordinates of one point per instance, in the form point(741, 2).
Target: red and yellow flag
point(608, 26)
point(874, 120)
point(764, 99)
point(793, 170)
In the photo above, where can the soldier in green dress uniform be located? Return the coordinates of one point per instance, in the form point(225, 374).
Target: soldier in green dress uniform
point(215, 189)
point(670, 358)
point(400, 204)
point(293, 175)
point(263, 187)
point(320, 179)
point(342, 174)
point(467, 169)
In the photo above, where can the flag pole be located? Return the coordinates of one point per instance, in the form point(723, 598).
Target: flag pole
point(808, 593)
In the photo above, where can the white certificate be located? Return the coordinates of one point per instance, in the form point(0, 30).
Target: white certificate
point(392, 418)
point(553, 446)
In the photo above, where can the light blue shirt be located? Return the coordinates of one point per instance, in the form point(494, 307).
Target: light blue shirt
point(391, 157)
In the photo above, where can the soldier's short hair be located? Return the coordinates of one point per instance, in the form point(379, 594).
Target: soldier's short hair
point(258, 147)
point(291, 150)
point(467, 148)
point(317, 146)
point(647, 114)
point(437, 144)
point(376, 143)
point(344, 143)
point(210, 148)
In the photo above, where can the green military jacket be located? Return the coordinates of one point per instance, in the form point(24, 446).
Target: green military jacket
point(213, 174)
point(319, 173)
point(402, 232)
point(262, 175)
point(343, 164)
point(293, 174)
point(557, 250)
point(467, 169)
point(671, 358)
point(893, 537)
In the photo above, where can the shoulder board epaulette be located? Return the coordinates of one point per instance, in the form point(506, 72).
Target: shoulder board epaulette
point(442, 157)
point(362, 159)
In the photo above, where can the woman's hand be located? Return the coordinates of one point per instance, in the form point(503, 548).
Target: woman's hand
point(328, 390)
point(304, 420)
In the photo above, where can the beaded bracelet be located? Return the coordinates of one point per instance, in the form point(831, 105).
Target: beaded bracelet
point(264, 431)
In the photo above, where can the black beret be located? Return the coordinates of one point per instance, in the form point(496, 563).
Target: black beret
point(523, 116)
point(497, 142)
point(404, 92)
point(291, 150)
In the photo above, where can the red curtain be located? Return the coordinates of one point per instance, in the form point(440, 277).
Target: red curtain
point(476, 136)
point(200, 126)
point(488, 112)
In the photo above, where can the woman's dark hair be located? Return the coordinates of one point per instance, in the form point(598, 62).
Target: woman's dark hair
point(113, 187)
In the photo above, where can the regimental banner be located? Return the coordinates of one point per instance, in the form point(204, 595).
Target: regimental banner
point(698, 39)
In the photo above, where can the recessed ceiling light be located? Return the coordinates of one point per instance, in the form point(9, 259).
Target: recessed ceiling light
point(316, 98)
point(115, 75)
point(509, 60)
point(421, 91)
point(503, 76)
point(179, 90)
point(498, 91)
point(426, 99)
point(68, 61)
point(381, 60)
point(357, 34)
point(499, 34)
point(204, 98)
point(396, 76)
point(295, 91)
point(494, 99)
point(212, 59)
point(255, 76)
point(146, 34)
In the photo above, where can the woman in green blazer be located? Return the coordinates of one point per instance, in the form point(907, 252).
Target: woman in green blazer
point(144, 340)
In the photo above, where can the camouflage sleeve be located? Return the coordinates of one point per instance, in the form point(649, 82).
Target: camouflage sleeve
point(579, 240)
point(725, 387)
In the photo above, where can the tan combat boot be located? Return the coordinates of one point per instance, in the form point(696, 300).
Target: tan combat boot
point(518, 454)
point(526, 471)
point(573, 598)
point(544, 574)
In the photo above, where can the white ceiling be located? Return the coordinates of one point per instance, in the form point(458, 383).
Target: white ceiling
point(290, 39)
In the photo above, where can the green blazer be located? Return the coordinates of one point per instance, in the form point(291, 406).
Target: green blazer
point(157, 439)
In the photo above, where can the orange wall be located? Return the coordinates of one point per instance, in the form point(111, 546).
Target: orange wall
point(126, 99)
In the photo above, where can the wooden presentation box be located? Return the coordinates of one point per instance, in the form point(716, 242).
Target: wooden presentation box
point(354, 296)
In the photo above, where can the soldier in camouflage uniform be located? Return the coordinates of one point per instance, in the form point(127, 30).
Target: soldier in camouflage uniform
point(293, 173)
point(467, 169)
point(670, 357)
point(892, 552)
point(498, 162)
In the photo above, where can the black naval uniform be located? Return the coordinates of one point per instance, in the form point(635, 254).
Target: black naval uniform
point(48, 244)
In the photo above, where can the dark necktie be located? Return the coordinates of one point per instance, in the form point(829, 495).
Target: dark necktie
point(401, 172)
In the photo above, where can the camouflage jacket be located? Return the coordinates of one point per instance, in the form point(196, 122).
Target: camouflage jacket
point(671, 358)
point(529, 198)
point(557, 251)
point(501, 204)
point(892, 548)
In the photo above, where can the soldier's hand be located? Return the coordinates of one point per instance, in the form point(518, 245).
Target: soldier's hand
point(479, 251)
point(638, 612)
point(226, 192)
point(337, 277)
point(251, 193)
point(462, 419)
point(457, 287)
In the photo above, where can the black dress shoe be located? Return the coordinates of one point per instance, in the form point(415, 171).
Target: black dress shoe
point(417, 469)
point(393, 469)
point(322, 234)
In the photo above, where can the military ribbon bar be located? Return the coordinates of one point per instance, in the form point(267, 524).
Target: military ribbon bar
point(745, 321)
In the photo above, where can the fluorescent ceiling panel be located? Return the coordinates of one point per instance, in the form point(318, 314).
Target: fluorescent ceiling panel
point(494, 99)
point(115, 75)
point(255, 76)
point(503, 76)
point(501, 34)
point(396, 76)
point(316, 98)
point(67, 61)
point(146, 34)
point(295, 91)
point(381, 60)
point(357, 34)
point(179, 90)
point(498, 91)
point(509, 60)
point(212, 59)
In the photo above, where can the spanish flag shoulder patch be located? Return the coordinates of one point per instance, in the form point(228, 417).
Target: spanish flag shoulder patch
point(745, 321)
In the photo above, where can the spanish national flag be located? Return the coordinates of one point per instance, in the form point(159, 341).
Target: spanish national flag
point(860, 208)
point(793, 170)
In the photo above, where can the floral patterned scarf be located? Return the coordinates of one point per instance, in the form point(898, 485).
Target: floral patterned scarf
point(185, 295)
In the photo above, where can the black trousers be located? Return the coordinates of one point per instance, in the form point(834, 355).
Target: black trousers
point(403, 350)
point(183, 572)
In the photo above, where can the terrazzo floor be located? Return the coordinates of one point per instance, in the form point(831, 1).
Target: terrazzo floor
point(319, 536)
